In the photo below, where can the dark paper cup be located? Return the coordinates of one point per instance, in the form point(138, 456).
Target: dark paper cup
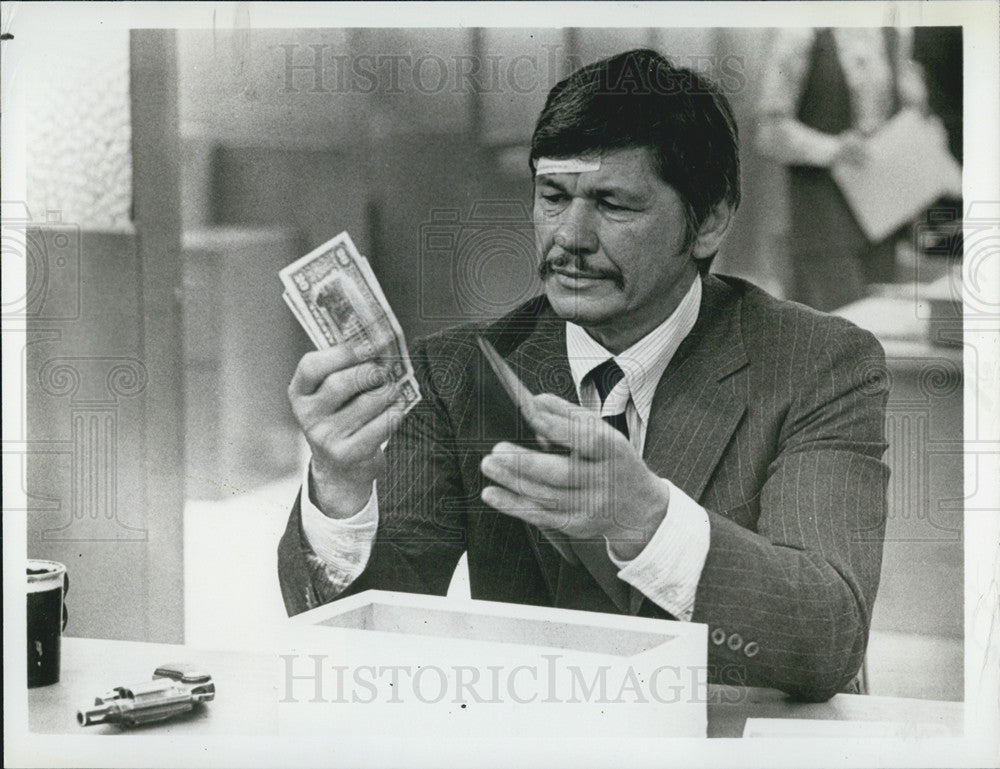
point(47, 586)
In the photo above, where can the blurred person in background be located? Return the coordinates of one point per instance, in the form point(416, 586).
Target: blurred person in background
point(823, 92)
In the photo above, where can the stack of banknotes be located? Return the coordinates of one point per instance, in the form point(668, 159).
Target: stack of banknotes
point(337, 299)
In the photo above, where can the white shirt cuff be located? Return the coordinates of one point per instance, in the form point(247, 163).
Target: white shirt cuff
point(669, 567)
point(342, 544)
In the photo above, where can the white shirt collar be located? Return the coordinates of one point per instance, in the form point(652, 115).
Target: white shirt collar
point(643, 363)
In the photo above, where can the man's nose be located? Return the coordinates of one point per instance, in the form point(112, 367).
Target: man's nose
point(576, 232)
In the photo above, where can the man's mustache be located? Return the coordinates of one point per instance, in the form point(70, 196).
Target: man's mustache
point(577, 265)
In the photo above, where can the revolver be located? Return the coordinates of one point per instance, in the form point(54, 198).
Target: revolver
point(174, 689)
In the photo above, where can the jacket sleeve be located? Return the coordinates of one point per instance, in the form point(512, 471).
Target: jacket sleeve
point(421, 533)
point(789, 605)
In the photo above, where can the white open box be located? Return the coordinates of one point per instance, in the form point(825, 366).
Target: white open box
point(399, 661)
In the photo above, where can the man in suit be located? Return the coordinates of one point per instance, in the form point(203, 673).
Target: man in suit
point(721, 449)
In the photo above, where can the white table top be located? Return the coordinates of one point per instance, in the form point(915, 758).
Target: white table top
point(247, 695)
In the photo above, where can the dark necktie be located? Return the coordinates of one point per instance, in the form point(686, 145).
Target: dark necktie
point(605, 377)
point(594, 555)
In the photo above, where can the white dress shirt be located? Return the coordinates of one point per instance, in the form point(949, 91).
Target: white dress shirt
point(669, 567)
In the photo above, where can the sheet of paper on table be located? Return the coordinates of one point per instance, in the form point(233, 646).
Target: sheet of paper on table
point(811, 727)
point(909, 167)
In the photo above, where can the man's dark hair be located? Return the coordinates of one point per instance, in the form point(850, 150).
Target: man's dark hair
point(640, 99)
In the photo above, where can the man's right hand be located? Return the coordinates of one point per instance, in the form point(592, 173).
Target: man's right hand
point(346, 409)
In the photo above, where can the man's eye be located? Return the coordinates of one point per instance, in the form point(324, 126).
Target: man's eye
point(552, 197)
point(612, 207)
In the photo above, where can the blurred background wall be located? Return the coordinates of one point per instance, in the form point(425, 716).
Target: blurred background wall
point(396, 136)
point(101, 455)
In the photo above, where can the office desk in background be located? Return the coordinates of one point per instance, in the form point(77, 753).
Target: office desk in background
point(247, 694)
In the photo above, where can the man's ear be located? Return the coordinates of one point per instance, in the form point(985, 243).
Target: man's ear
point(712, 231)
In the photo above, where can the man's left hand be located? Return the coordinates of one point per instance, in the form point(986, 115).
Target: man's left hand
point(602, 488)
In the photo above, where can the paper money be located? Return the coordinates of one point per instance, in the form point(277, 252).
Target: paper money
point(335, 296)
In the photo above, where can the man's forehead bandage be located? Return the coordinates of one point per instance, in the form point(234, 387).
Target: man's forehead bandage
point(576, 165)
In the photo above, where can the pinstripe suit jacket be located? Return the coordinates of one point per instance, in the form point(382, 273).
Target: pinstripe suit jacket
point(771, 415)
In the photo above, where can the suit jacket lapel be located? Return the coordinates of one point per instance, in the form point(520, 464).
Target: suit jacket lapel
point(693, 416)
point(695, 410)
point(540, 361)
point(590, 581)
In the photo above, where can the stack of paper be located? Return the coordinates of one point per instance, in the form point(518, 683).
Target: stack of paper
point(908, 168)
